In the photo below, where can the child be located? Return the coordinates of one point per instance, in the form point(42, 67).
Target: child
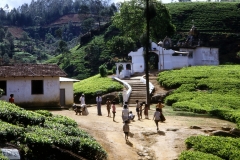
point(108, 102)
point(131, 116)
point(140, 110)
point(137, 109)
point(126, 130)
point(113, 110)
point(11, 99)
point(156, 117)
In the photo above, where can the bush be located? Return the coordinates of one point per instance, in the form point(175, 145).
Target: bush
point(103, 70)
point(196, 155)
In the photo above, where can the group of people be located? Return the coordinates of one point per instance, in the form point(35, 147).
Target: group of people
point(127, 115)
point(140, 107)
point(82, 108)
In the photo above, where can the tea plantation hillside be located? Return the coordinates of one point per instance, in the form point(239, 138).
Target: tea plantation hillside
point(208, 17)
point(206, 89)
point(218, 24)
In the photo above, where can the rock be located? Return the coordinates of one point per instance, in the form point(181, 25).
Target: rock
point(226, 128)
point(172, 129)
point(149, 133)
point(140, 153)
point(195, 127)
point(235, 131)
point(222, 134)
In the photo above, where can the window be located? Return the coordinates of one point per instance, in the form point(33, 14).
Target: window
point(37, 86)
point(3, 85)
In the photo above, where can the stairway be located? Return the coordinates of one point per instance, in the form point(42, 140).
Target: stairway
point(138, 90)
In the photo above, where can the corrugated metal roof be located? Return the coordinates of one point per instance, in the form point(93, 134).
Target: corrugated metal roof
point(31, 70)
point(63, 79)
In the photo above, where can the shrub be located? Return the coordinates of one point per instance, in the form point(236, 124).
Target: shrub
point(44, 113)
point(103, 70)
point(196, 155)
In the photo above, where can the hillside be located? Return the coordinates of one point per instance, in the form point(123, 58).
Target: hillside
point(216, 30)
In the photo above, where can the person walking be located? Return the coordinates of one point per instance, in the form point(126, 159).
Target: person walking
point(99, 103)
point(126, 130)
point(108, 102)
point(11, 99)
point(137, 109)
point(113, 110)
point(160, 107)
point(125, 113)
point(156, 117)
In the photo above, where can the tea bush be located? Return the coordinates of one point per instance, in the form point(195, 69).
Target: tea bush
point(223, 147)
point(204, 89)
point(196, 155)
point(38, 140)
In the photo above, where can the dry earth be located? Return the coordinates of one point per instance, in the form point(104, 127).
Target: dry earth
point(145, 142)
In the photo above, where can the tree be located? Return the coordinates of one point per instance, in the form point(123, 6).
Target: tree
point(121, 46)
point(132, 22)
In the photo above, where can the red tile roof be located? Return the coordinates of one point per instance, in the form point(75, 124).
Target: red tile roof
point(31, 70)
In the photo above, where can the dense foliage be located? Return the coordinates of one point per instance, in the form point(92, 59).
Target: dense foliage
point(212, 146)
point(205, 17)
point(202, 89)
point(132, 13)
point(196, 155)
point(43, 12)
point(95, 84)
point(50, 138)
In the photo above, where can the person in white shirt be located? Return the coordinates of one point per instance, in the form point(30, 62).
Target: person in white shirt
point(99, 103)
point(125, 113)
point(156, 117)
point(82, 99)
point(131, 116)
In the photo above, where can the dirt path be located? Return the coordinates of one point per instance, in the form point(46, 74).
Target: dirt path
point(145, 142)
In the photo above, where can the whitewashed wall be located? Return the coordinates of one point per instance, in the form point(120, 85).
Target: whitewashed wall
point(21, 88)
point(68, 86)
point(138, 64)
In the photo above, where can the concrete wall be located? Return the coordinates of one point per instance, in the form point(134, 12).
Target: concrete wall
point(68, 86)
point(21, 88)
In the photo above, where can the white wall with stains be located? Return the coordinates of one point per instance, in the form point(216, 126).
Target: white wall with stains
point(21, 88)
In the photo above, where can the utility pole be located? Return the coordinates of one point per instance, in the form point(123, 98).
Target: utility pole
point(146, 56)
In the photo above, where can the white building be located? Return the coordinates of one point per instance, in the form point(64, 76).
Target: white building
point(167, 59)
point(36, 85)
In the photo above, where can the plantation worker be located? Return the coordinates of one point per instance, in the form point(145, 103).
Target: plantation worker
point(160, 106)
point(156, 117)
point(108, 102)
point(11, 99)
point(99, 103)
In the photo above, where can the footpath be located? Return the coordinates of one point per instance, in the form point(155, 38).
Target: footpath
point(145, 142)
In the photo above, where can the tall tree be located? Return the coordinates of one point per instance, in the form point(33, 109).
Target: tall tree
point(132, 22)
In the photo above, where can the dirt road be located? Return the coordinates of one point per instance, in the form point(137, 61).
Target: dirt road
point(145, 142)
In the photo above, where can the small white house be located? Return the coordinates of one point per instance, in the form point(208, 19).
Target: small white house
point(66, 91)
point(167, 59)
point(36, 85)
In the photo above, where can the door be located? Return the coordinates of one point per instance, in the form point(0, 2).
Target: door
point(62, 97)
